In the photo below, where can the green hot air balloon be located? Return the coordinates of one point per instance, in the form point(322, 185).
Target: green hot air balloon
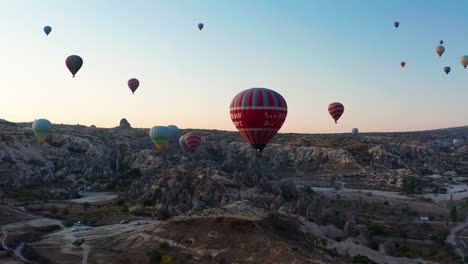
point(160, 136)
point(173, 131)
point(42, 128)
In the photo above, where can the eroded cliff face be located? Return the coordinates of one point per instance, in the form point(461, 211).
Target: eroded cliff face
point(105, 153)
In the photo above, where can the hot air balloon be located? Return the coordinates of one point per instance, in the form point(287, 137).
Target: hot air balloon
point(182, 144)
point(200, 26)
point(193, 141)
point(447, 70)
point(160, 136)
point(74, 63)
point(402, 64)
point(47, 30)
point(173, 131)
point(335, 110)
point(42, 128)
point(258, 114)
point(457, 142)
point(133, 84)
point(396, 24)
point(440, 50)
point(441, 42)
point(464, 61)
point(355, 132)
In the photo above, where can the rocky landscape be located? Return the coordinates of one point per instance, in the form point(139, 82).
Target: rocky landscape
point(221, 205)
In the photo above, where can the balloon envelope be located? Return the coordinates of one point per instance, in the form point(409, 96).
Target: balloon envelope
point(192, 140)
point(355, 131)
point(133, 84)
point(47, 30)
point(200, 26)
point(258, 114)
point(336, 110)
point(42, 128)
point(396, 24)
point(464, 61)
point(441, 42)
point(182, 144)
point(160, 136)
point(173, 131)
point(74, 63)
point(457, 142)
point(440, 50)
point(402, 64)
point(447, 70)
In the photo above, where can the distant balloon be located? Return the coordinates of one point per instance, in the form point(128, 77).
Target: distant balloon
point(396, 24)
point(42, 128)
point(173, 131)
point(355, 132)
point(74, 63)
point(440, 50)
point(457, 142)
point(47, 30)
point(464, 61)
point(200, 26)
point(336, 110)
point(193, 141)
point(160, 136)
point(182, 144)
point(133, 84)
point(441, 42)
point(447, 70)
point(258, 114)
point(402, 64)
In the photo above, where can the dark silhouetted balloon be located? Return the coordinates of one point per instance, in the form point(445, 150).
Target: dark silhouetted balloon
point(396, 24)
point(336, 110)
point(47, 30)
point(447, 70)
point(133, 84)
point(200, 26)
point(74, 63)
point(402, 64)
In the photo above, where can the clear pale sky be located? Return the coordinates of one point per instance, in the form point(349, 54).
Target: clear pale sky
point(312, 52)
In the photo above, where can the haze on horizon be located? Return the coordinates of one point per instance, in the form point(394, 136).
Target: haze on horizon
point(311, 52)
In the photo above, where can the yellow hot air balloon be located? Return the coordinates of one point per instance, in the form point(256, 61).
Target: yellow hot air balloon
point(464, 61)
point(440, 50)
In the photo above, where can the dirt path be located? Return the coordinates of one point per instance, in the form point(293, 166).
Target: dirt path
point(452, 237)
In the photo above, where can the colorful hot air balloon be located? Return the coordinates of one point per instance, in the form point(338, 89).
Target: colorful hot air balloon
point(447, 70)
point(133, 84)
point(440, 50)
point(193, 141)
point(173, 131)
point(396, 24)
point(47, 30)
point(464, 61)
point(335, 110)
point(441, 42)
point(182, 144)
point(42, 128)
point(402, 64)
point(160, 136)
point(74, 63)
point(258, 114)
point(200, 26)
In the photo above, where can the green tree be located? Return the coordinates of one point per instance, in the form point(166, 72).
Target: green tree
point(154, 257)
point(78, 242)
